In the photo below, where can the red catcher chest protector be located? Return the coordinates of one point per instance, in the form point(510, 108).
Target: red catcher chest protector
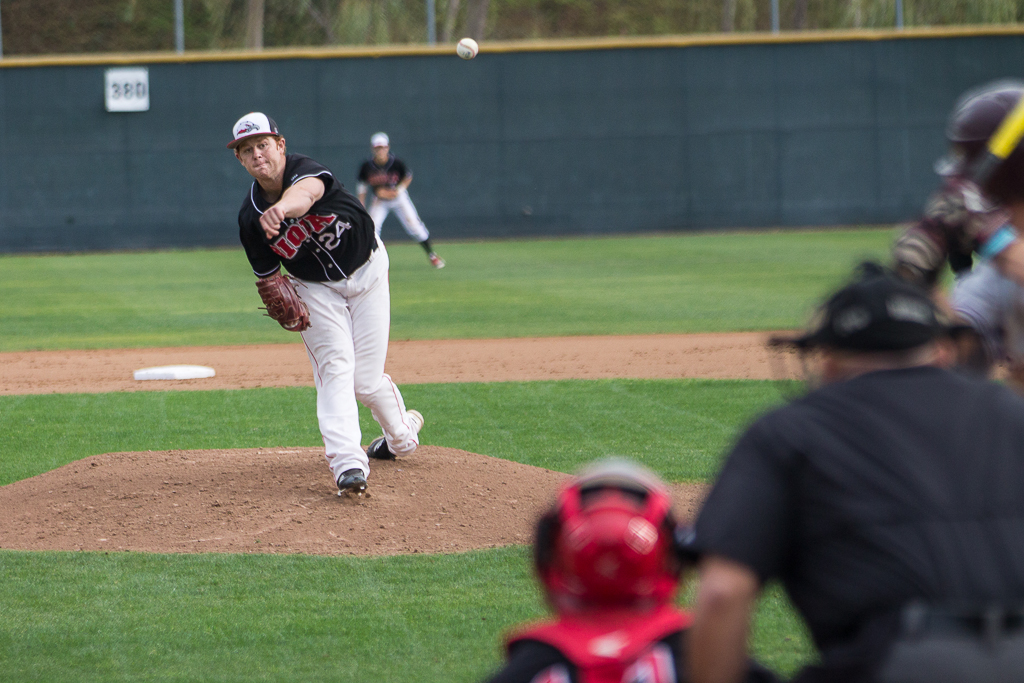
point(614, 646)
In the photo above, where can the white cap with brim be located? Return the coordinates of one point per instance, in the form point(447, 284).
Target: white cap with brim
point(252, 124)
point(380, 140)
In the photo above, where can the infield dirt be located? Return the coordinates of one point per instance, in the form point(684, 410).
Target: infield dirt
point(281, 499)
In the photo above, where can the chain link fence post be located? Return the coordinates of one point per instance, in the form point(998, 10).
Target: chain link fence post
point(179, 26)
point(431, 23)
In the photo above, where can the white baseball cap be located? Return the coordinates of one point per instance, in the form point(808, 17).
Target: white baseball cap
point(252, 124)
point(380, 140)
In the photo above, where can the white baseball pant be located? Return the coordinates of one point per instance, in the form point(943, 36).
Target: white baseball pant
point(347, 343)
point(404, 209)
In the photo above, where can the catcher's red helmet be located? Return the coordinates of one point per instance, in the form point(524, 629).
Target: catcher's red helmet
point(975, 117)
point(609, 540)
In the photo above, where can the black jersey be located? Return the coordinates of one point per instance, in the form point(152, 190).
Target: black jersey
point(868, 493)
point(330, 242)
point(387, 176)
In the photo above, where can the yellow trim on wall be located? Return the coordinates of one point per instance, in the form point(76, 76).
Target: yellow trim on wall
point(494, 47)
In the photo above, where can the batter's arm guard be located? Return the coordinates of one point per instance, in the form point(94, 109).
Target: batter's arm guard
point(918, 256)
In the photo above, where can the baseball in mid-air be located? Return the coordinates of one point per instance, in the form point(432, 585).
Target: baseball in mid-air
point(467, 48)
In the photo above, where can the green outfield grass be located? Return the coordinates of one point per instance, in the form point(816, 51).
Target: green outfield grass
point(140, 617)
point(101, 617)
point(133, 616)
point(622, 285)
point(678, 428)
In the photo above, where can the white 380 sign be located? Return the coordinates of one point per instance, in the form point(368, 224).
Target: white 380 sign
point(127, 89)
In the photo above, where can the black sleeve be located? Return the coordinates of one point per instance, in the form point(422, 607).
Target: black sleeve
point(261, 257)
point(306, 167)
point(748, 514)
point(527, 659)
point(364, 173)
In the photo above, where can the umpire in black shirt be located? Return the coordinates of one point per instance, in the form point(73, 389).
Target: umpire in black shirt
point(889, 502)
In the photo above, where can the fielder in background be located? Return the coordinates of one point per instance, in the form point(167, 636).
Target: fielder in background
point(987, 300)
point(389, 179)
point(297, 214)
point(888, 502)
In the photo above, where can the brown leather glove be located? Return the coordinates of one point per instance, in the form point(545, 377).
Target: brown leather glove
point(282, 302)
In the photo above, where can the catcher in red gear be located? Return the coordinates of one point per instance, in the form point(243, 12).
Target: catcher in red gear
point(608, 556)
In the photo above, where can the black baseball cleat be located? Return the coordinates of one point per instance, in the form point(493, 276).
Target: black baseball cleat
point(351, 481)
point(379, 450)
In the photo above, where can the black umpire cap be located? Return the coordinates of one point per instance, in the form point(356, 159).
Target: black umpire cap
point(877, 311)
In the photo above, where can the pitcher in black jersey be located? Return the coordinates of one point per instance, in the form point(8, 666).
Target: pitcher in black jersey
point(298, 215)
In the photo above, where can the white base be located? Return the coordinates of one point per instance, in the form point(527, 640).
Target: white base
point(175, 372)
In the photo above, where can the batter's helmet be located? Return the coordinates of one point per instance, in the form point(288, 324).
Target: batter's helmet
point(609, 540)
point(974, 119)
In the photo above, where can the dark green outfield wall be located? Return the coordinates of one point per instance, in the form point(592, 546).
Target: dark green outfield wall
point(511, 143)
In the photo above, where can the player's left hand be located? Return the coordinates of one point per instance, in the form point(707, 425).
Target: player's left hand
point(387, 193)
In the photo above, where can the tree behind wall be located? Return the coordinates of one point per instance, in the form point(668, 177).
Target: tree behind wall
point(77, 26)
point(254, 16)
point(476, 19)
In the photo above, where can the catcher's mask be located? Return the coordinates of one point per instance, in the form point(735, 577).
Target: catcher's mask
point(609, 541)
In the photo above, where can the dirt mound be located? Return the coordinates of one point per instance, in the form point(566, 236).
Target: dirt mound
point(281, 500)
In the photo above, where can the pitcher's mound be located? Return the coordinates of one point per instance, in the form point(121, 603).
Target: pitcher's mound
point(282, 500)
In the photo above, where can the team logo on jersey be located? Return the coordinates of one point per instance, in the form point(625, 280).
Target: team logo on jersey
point(383, 179)
point(326, 229)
